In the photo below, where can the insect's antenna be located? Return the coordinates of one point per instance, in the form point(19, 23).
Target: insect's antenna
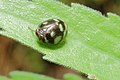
point(31, 29)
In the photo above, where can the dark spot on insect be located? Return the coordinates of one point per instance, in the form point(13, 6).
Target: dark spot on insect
point(49, 38)
point(59, 32)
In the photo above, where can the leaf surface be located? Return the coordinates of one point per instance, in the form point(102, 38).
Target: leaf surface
point(92, 45)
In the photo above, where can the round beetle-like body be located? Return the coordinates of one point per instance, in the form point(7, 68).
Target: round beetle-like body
point(52, 31)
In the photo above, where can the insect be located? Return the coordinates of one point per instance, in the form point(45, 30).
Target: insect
point(52, 31)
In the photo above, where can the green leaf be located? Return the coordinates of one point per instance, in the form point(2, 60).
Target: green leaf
point(92, 45)
point(18, 75)
point(3, 78)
